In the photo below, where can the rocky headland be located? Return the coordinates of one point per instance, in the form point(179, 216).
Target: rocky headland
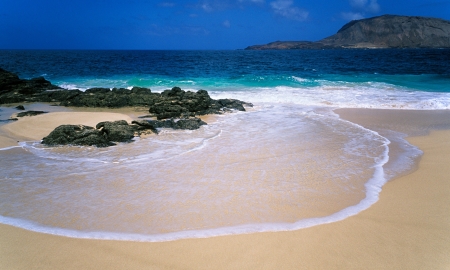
point(173, 108)
point(387, 31)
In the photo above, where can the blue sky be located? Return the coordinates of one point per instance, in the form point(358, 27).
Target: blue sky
point(189, 24)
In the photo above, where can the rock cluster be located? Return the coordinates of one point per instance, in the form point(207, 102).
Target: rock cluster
point(13, 89)
point(109, 133)
point(179, 103)
point(170, 103)
point(174, 108)
point(77, 135)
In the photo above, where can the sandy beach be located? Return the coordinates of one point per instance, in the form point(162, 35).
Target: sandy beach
point(408, 228)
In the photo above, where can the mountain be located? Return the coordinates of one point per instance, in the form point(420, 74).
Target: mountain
point(387, 31)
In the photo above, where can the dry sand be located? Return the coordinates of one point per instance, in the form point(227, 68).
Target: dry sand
point(37, 127)
point(408, 228)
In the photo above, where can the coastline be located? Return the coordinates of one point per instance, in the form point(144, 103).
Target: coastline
point(407, 228)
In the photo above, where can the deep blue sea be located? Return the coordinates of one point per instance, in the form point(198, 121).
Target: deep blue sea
point(288, 163)
point(343, 78)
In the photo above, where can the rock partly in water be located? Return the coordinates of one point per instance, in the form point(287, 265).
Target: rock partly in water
point(30, 113)
point(108, 133)
point(173, 103)
point(117, 131)
point(184, 123)
point(77, 135)
point(13, 89)
point(20, 107)
point(104, 97)
point(180, 103)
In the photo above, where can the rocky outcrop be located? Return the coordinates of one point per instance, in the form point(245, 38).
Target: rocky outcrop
point(109, 133)
point(13, 89)
point(179, 103)
point(102, 97)
point(387, 31)
point(186, 123)
point(170, 103)
point(174, 108)
point(117, 131)
point(77, 135)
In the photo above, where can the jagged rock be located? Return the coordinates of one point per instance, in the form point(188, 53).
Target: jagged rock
point(173, 103)
point(115, 98)
point(108, 133)
point(8, 81)
point(117, 131)
point(20, 107)
point(76, 135)
point(233, 104)
point(62, 95)
point(105, 134)
point(190, 123)
point(179, 103)
point(143, 125)
point(30, 113)
point(186, 123)
point(13, 89)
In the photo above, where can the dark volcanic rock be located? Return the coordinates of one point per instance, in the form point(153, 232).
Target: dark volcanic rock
point(179, 103)
point(62, 95)
point(108, 133)
point(105, 134)
point(76, 135)
point(387, 31)
point(20, 107)
point(115, 98)
point(185, 123)
point(13, 89)
point(191, 123)
point(168, 104)
point(233, 104)
point(176, 103)
point(117, 131)
point(30, 113)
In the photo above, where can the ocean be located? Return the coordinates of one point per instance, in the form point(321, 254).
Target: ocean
point(290, 162)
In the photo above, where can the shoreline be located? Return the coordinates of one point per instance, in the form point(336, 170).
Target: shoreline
point(392, 226)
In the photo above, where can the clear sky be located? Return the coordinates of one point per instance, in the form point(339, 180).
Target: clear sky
point(187, 24)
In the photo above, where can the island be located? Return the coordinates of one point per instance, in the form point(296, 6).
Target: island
point(387, 31)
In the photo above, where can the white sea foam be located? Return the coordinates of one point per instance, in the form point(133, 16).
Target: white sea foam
point(335, 92)
point(183, 143)
point(373, 188)
point(375, 96)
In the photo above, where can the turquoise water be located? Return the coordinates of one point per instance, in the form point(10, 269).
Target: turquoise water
point(413, 79)
point(288, 163)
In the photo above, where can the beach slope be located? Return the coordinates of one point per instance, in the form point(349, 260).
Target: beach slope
point(408, 228)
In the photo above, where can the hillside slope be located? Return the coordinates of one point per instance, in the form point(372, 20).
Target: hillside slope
point(387, 31)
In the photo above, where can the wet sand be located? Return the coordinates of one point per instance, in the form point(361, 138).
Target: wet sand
point(408, 228)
